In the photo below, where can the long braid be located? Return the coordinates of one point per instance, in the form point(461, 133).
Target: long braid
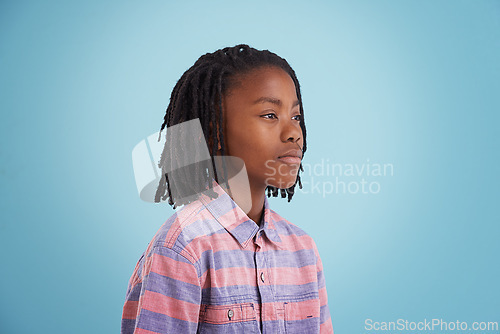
point(198, 94)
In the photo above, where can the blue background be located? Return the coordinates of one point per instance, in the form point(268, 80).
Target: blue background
point(413, 83)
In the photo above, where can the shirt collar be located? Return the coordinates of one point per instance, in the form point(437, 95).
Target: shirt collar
point(236, 221)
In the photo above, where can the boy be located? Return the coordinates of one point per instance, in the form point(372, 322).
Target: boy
point(214, 267)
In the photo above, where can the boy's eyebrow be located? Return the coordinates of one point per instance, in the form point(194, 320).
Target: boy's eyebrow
point(273, 100)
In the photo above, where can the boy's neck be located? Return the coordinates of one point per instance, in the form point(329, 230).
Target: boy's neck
point(248, 197)
point(257, 209)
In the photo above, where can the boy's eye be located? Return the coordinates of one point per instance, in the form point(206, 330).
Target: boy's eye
point(269, 116)
point(273, 115)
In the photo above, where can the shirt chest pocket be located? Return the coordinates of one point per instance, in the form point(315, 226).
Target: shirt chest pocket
point(233, 318)
point(302, 316)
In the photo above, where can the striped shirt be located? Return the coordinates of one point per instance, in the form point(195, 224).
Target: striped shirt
point(211, 269)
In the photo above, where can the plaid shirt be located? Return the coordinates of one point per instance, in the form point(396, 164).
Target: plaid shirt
point(211, 269)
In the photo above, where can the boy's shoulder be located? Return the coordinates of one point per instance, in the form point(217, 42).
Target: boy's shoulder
point(291, 234)
point(188, 223)
point(284, 225)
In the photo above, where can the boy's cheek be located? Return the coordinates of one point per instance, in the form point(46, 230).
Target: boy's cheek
point(270, 168)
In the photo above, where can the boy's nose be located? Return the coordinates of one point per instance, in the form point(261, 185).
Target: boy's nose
point(291, 132)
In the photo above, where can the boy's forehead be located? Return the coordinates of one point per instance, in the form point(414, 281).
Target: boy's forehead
point(263, 82)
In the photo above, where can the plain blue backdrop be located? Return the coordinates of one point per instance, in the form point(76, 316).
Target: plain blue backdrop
point(412, 84)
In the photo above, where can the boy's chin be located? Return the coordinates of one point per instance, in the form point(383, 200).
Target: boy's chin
point(282, 183)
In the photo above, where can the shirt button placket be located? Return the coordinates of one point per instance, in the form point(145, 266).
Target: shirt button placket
point(259, 266)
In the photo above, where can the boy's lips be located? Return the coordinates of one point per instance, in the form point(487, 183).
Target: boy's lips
point(290, 160)
point(291, 157)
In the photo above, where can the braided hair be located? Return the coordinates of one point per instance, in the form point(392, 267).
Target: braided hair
point(198, 95)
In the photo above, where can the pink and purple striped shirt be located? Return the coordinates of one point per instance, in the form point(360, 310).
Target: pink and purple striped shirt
point(211, 269)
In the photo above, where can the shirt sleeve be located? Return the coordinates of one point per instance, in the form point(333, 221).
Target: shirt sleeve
point(163, 295)
point(325, 318)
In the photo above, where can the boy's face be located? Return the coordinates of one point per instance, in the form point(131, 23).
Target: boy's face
point(262, 126)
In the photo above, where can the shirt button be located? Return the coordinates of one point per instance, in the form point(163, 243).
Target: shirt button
point(230, 314)
point(262, 277)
